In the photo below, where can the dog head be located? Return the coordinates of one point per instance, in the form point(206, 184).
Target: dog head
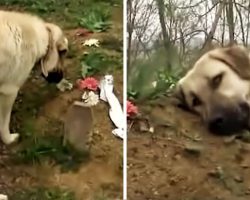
point(52, 62)
point(217, 89)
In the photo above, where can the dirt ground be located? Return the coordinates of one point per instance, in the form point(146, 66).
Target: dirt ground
point(98, 178)
point(180, 160)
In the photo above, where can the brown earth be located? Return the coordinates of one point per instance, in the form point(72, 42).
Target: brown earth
point(180, 160)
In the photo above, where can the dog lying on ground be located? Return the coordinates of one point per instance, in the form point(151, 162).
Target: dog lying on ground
point(26, 41)
point(217, 88)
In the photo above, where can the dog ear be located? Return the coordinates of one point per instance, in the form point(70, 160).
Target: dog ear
point(236, 57)
point(63, 45)
point(50, 60)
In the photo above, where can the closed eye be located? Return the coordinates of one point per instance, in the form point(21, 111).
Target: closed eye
point(196, 101)
point(216, 80)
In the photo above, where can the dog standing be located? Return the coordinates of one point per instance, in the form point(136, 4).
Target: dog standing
point(26, 40)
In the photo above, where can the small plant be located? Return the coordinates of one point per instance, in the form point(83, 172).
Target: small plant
point(97, 62)
point(43, 194)
point(152, 77)
point(164, 83)
point(37, 148)
point(96, 18)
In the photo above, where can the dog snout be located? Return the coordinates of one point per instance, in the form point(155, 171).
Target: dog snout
point(217, 122)
point(54, 76)
point(229, 120)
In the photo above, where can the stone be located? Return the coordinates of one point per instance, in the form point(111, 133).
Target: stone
point(78, 127)
point(238, 179)
point(193, 148)
point(217, 173)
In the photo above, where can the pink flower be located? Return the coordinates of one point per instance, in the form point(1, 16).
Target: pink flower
point(131, 109)
point(88, 83)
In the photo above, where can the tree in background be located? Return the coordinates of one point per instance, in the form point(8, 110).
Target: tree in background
point(166, 36)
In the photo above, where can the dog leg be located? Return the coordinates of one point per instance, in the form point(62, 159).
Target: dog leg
point(6, 103)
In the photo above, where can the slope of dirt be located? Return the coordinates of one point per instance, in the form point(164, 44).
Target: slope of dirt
point(98, 178)
point(182, 161)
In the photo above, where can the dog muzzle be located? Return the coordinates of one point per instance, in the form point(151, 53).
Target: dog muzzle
point(54, 76)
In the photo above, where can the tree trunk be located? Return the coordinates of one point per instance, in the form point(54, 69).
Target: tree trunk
point(210, 36)
point(130, 32)
point(248, 23)
point(165, 35)
point(230, 20)
point(223, 29)
point(241, 24)
point(172, 55)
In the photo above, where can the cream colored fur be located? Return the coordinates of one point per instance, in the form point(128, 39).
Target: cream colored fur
point(24, 41)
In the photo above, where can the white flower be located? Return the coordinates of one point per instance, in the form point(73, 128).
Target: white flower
point(154, 84)
point(64, 85)
point(90, 98)
point(91, 42)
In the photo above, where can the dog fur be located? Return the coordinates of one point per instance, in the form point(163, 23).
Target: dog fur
point(24, 41)
point(217, 89)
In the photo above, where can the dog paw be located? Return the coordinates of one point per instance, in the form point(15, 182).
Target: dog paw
point(13, 137)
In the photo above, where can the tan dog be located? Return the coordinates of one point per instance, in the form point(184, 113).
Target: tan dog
point(217, 88)
point(24, 41)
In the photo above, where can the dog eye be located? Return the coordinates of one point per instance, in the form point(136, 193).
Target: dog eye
point(215, 82)
point(196, 101)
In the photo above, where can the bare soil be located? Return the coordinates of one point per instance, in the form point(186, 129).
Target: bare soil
point(181, 160)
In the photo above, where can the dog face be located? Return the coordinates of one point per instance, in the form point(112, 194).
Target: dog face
point(52, 63)
point(217, 89)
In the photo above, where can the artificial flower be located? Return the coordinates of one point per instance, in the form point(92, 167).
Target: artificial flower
point(63, 86)
point(90, 98)
point(131, 109)
point(88, 83)
point(91, 42)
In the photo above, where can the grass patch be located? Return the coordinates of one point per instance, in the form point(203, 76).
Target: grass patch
point(43, 194)
point(151, 78)
point(36, 148)
point(96, 18)
point(99, 63)
point(70, 13)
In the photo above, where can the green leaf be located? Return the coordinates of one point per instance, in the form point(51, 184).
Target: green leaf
point(84, 69)
point(96, 19)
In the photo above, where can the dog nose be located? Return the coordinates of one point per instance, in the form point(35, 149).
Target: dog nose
point(54, 76)
point(217, 123)
point(229, 121)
